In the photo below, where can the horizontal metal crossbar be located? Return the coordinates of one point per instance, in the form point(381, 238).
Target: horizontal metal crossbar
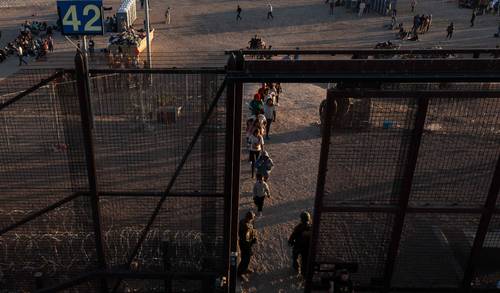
point(395, 209)
point(155, 194)
point(304, 77)
point(365, 51)
point(201, 70)
point(127, 275)
point(417, 93)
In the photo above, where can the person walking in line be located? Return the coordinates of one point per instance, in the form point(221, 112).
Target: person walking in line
point(332, 5)
point(247, 238)
point(473, 17)
point(260, 192)
point(413, 3)
point(299, 241)
point(167, 15)
point(51, 44)
point(449, 31)
point(270, 11)
point(238, 11)
point(256, 144)
point(264, 165)
point(269, 113)
point(256, 106)
point(362, 6)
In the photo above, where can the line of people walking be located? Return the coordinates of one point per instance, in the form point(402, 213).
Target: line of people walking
point(263, 112)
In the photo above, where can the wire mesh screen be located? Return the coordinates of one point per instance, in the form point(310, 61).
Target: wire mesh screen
point(41, 152)
point(487, 268)
point(355, 238)
point(434, 250)
point(366, 169)
point(144, 124)
point(364, 166)
point(60, 244)
point(41, 163)
point(458, 153)
point(21, 81)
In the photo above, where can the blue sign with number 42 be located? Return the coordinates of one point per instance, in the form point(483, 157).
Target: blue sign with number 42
point(80, 17)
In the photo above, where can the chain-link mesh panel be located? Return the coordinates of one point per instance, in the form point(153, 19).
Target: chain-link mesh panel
point(60, 244)
point(487, 267)
point(143, 125)
point(41, 151)
point(21, 81)
point(355, 238)
point(366, 166)
point(187, 235)
point(434, 250)
point(458, 153)
point(41, 162)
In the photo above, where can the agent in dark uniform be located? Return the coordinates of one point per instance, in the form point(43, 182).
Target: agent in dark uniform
point(342, 283)
point(247, 238)
point(299, 241)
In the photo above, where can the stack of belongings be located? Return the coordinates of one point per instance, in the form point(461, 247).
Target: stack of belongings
point(127, 42)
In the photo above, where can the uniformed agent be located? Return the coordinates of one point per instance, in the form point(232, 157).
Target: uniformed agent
point(247, 238)
point(299, 241)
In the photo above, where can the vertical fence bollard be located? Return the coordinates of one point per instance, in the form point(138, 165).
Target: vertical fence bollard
point(83, 91)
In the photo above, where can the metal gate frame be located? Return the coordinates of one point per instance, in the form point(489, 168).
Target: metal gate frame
point(240, 71)
point(372, 71)
point(403, 208)
point(103, 273)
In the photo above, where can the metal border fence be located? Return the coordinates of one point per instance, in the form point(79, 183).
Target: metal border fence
point(88, 195)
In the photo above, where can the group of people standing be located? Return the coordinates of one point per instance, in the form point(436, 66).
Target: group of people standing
point(34, 39)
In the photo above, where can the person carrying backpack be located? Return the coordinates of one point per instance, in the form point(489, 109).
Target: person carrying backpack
point(264, 165)
point(256, 105)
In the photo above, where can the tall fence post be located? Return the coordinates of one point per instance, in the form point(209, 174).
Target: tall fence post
point(404, 197)
point(482, 230)
point(320, 190)
point(235, 92)
point(228, 184)
point(83, 88)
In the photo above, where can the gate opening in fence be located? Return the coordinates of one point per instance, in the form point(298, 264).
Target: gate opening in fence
point(114, 179)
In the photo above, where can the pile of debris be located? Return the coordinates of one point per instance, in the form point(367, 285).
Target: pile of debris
point(130, 37)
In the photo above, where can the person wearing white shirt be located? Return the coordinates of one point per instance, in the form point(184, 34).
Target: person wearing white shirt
point(269, 112)
point(362, 6)
point(270, 11)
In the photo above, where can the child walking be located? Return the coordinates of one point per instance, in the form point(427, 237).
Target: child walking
point(260, 192)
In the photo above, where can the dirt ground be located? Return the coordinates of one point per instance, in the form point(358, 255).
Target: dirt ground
point(203, 29)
